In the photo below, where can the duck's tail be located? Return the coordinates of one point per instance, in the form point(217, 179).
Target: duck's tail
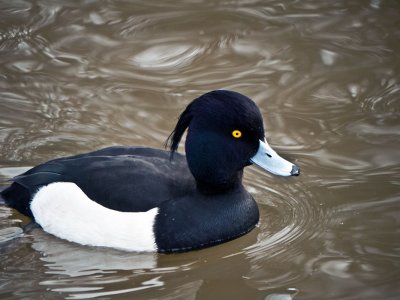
point(2, 201)
point(18, 197)
point(19, 194)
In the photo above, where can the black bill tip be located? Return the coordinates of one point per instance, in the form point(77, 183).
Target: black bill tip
point(295, 171)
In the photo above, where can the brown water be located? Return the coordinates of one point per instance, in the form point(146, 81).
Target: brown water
point(80, 75)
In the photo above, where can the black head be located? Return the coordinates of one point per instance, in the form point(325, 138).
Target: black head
point(224, 130)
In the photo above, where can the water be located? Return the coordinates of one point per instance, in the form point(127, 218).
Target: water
point(77, 76)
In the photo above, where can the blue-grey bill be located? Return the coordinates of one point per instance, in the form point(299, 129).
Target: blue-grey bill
point(267, 159)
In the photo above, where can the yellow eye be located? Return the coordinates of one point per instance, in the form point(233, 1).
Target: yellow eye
point(236, 134)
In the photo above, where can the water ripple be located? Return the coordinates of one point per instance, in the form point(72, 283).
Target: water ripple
point(288, 218)
point(166, 56)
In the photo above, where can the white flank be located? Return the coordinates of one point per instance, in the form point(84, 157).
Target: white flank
point(64, 210)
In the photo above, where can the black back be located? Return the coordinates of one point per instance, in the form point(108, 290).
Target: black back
point(117, 177)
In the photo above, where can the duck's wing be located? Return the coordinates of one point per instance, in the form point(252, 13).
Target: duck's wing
point(119, 178)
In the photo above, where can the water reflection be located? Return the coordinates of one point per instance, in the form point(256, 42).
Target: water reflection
point(66, 258)
point(87, 272)
point(165, 57)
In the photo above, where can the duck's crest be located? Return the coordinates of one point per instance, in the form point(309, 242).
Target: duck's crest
point(175, 137)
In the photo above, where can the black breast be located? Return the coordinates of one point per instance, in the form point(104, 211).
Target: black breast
point(202, 220)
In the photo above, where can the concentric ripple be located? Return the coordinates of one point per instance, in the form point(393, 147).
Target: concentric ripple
point(289, 215)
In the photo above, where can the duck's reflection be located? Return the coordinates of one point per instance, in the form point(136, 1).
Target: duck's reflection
point(63, 257)
point(81, 272)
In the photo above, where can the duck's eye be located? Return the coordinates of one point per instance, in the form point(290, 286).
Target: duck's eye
point(236, 134)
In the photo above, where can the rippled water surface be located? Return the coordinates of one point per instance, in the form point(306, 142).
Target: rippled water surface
point(81, 75)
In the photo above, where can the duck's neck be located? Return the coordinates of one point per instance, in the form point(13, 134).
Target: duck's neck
point(220, 187)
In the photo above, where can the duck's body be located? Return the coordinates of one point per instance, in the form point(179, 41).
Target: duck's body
point(143, 199)
point(170, 215)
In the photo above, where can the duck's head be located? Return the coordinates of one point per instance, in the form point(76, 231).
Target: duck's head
point(225, 134)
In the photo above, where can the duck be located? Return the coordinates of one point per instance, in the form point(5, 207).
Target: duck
point(154, 200)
